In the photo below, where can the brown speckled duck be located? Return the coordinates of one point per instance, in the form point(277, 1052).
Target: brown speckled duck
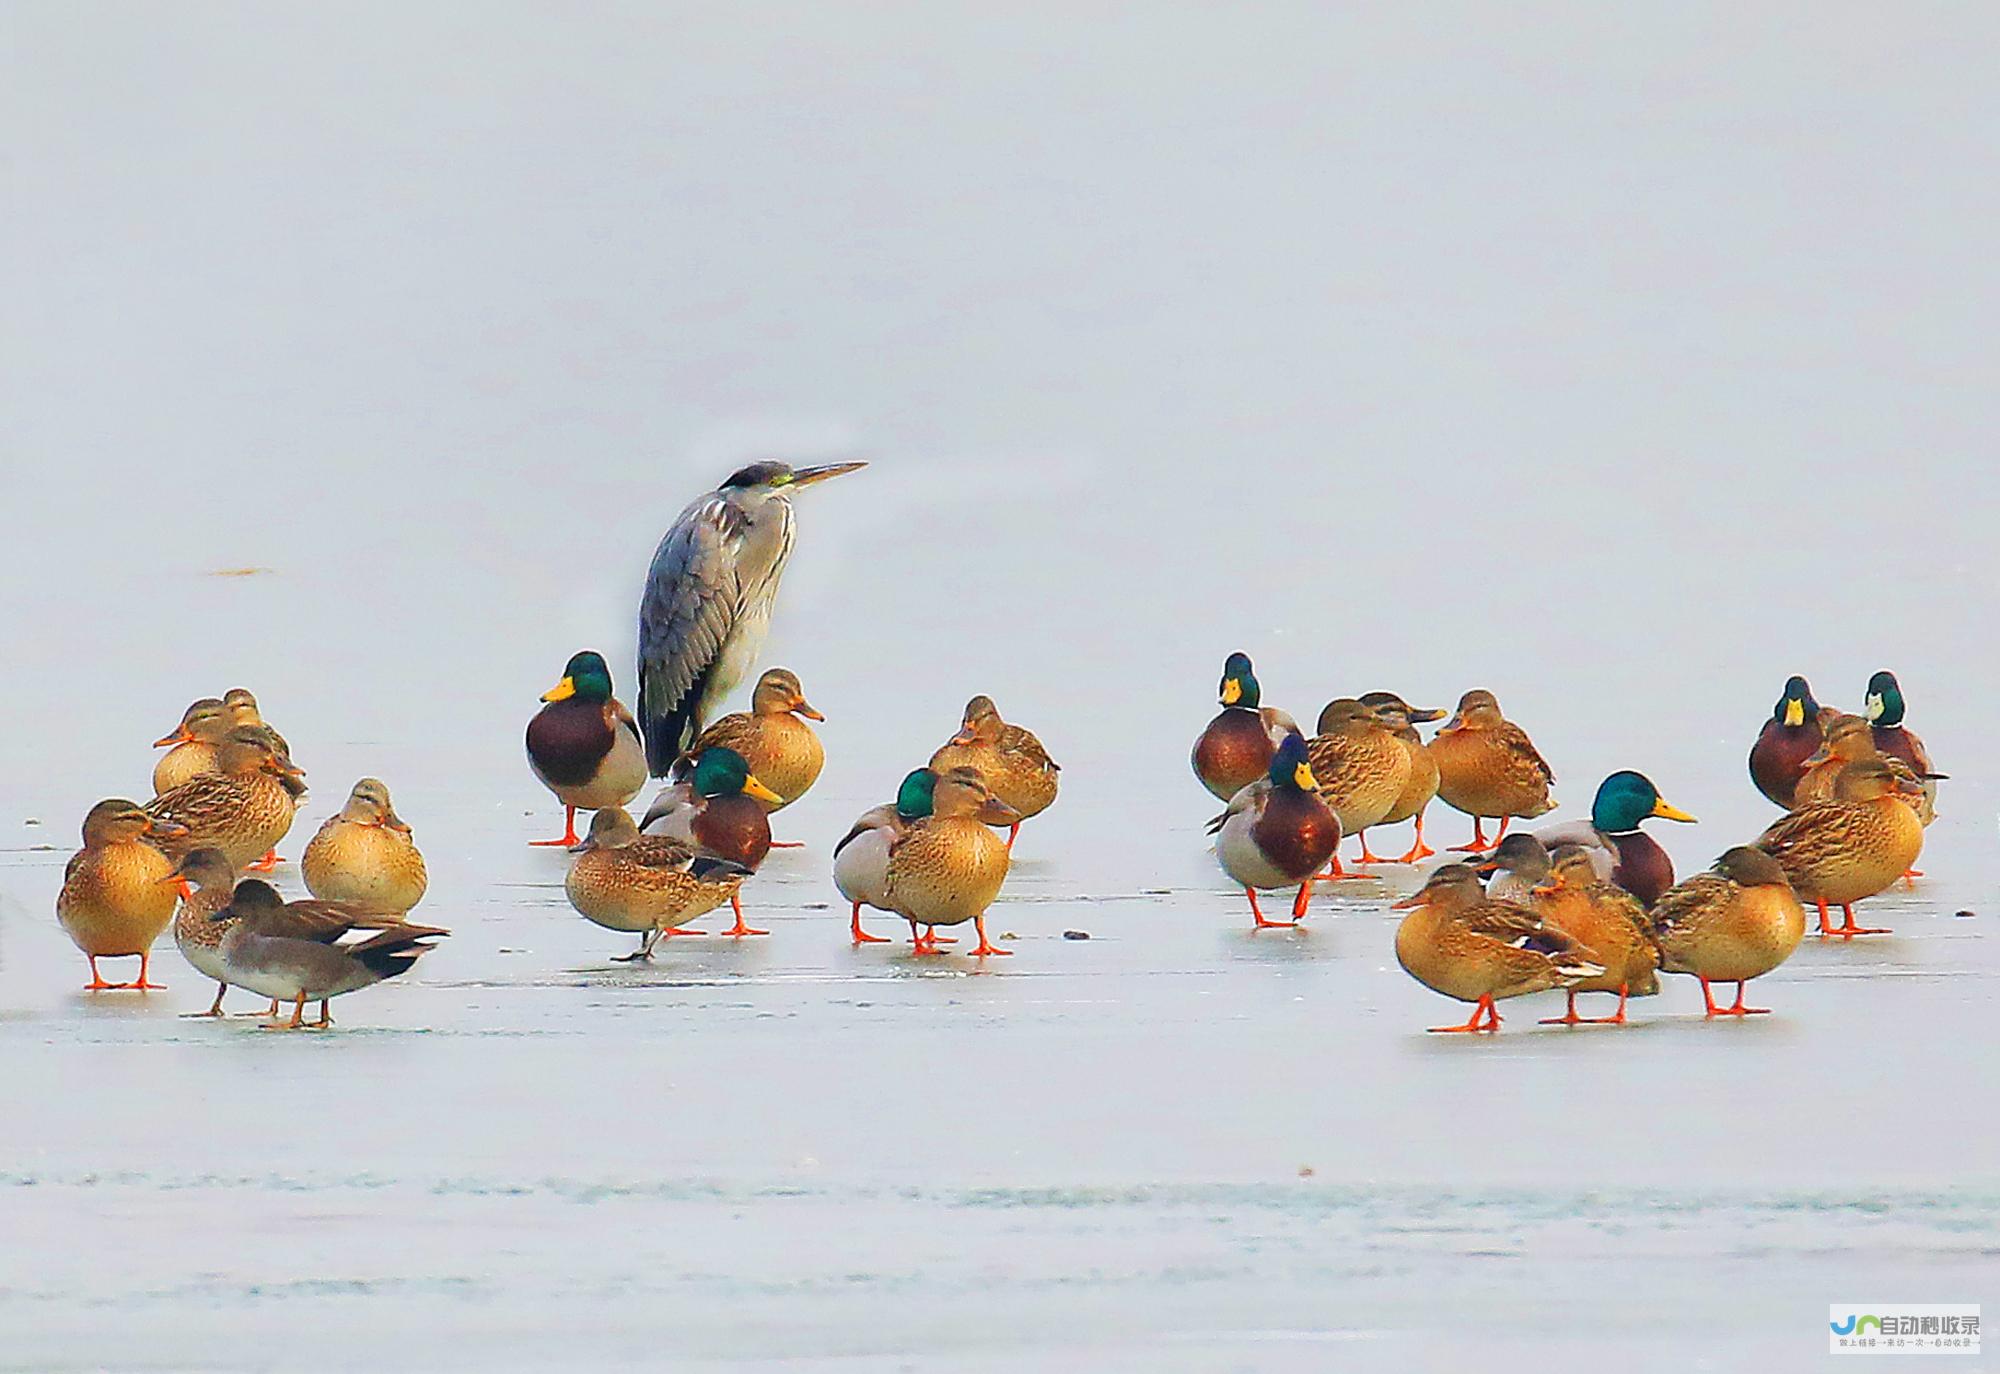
point(118, 890)
point(1609, 923)
point(647, 885)
point(1236, 747)
point(949, 866)
point(191, 747)
point(1736, 922)
point(1402, 720)
point(1459, 942)
point(245, 809)
point(1841, 851)
point(1487, 766)
point(1017, 769)
point(1362, 769)
point(584, 745)
point(299, 952)
point(783, 752)
point(207, 883)
point(366, 855)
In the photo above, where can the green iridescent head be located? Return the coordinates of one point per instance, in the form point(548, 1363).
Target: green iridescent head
point(1239, 683)
point(722, 772)
point(913, 798)
point(587, 677)
point(1885, 699)
point(1624, 799)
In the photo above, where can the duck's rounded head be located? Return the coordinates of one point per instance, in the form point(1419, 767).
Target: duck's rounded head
point(253, 749)
point(981, 723)
point(1449, 885)
point(1291, 770)
point(1796, 706)
point(1396, 713)
point(1847, 738)
point(205, 721)
point(1885, 699)
point(1750, 867)
point(253, 897)
point(1344, 713)
point(1626, 798)
point(368, 804)
point(963, 792)
point(115, 820)
point(1478, 709)
point(1239, 683)
point(1570, 863)
point(913, 798)
point(586, 677)
point(779, 693)
point(612, 827)
point(1867, 780)
point(722, 772)
point(1520, 854)
point(205, 868)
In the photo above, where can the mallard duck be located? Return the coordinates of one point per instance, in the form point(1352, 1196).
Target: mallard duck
point(366, 855)
point(207, 883)
point(584, 745)
point(1235, 749)
point(1790, 737)
point(1609, 923)
point(1514, 868)
point(1362, 770)
point(1885, 711)
point(244, 810)
point(1017, 769)
point(191, 747)
point(1736, 922)
point(240, 707)
point(1842, 851)
point(1459, 942)
point(949, 866)
point(718, 810)
point(783, 752)
point(646, 884)
point(861, 859)
point(118, 890)
point(1622, 852)
point(1278, 832)
point(1487, 766)
point(294, 951)
point(1402, 719)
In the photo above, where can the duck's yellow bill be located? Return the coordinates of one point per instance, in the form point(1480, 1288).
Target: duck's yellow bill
point(1668, 812)
point(1795, 713)
point(1232, 692)
point(753, 788)
point(562, 691)
point(1303, 776)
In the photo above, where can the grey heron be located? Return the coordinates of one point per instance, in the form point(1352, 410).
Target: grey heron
point(708, 600)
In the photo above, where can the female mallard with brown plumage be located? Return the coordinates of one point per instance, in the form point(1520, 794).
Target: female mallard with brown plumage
point(1736, 922)
point(1278, 832)
point(645, 884)
point(1789, 738)
point(584, 745)
point(783, 752)
point(245, 809)
point(366, 855)
point(240, 706)
point(1402, 719)
point(1236, 747)
point(118, 890)
point(1842, 851)
point(1017, 769)
point(1607, 921)
point(1459, 942)
point(1487, 766)
point(1362, 770)
point(191, 747)
point(949, 866)
point(719, 810)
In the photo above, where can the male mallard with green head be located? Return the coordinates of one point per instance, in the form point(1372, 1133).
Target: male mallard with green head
point(720, 810)
point(1236, 747)
point(584, 745)
point(1622, 852)
point(1790, 737)
point(949, 866)
point(1278, 832)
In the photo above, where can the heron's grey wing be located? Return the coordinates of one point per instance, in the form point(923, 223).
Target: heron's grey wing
point(692, 600)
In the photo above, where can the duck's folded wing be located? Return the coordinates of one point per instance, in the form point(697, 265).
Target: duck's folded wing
point(1680, 904)
point(1520, 927)
point(1247, 796)
point(1517, 740)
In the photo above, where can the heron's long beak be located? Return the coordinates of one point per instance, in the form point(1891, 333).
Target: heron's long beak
point(1668, 812)
point(179, 736)
point(562, 691)
point(753, 788)
point(807, 476)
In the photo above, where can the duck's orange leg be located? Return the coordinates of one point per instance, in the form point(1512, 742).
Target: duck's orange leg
point(1302, 901)
point(1910, 876)
point(1738, 1009)
point(1258, 912)
point(985, 946)
point(1568, 1018)
point(97, 983)
point(924, 942)
point(1013, 831)
point(1479, 1010)
point(1368, 856)
point(1337, 873)
point(214, 1008)
point(265, 864)
point(862, 937)
point(570, 839)
point(1849, 930)
point(788, 844)
point(1418, 850)
point(1617, 1018)
point(145, 961)
point(740, 929)
point(1480, 844)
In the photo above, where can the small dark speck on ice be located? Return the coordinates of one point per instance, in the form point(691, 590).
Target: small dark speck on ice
point(1962, 915)
point(1076, 935)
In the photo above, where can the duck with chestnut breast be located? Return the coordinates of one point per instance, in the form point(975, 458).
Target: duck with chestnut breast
point(1278, 832)
point(584, 745)
point(1236, 747)
point(245, 809)
point(1362, 770)
point(719, 810)
point(1459, 942)
point(648, 885)
point(366, 855)
point(949, 865)
point(1608, 922)
point(772, 736)
point(207, 883)
point(1839, 852)
point(1737, 921)
point(1623, 853)
point(118, 890)
point(1017, 769)
point(1487, 766)
point(1885, 710)
point(191, 747)
point(301, 952)
point(1791, 736)
point(1402, 720)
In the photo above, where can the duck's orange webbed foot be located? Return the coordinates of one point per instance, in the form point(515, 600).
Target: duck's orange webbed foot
point(265, 864)
point(740, 928)
point(788, 844)
point(1418, 849)
point(570, 839)
point(1848, 930)
point(862, 937)
point(1568, 1018)
point(1479, 843)
point(985, 946)
point(1258, 912)
point(1483, 1008)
